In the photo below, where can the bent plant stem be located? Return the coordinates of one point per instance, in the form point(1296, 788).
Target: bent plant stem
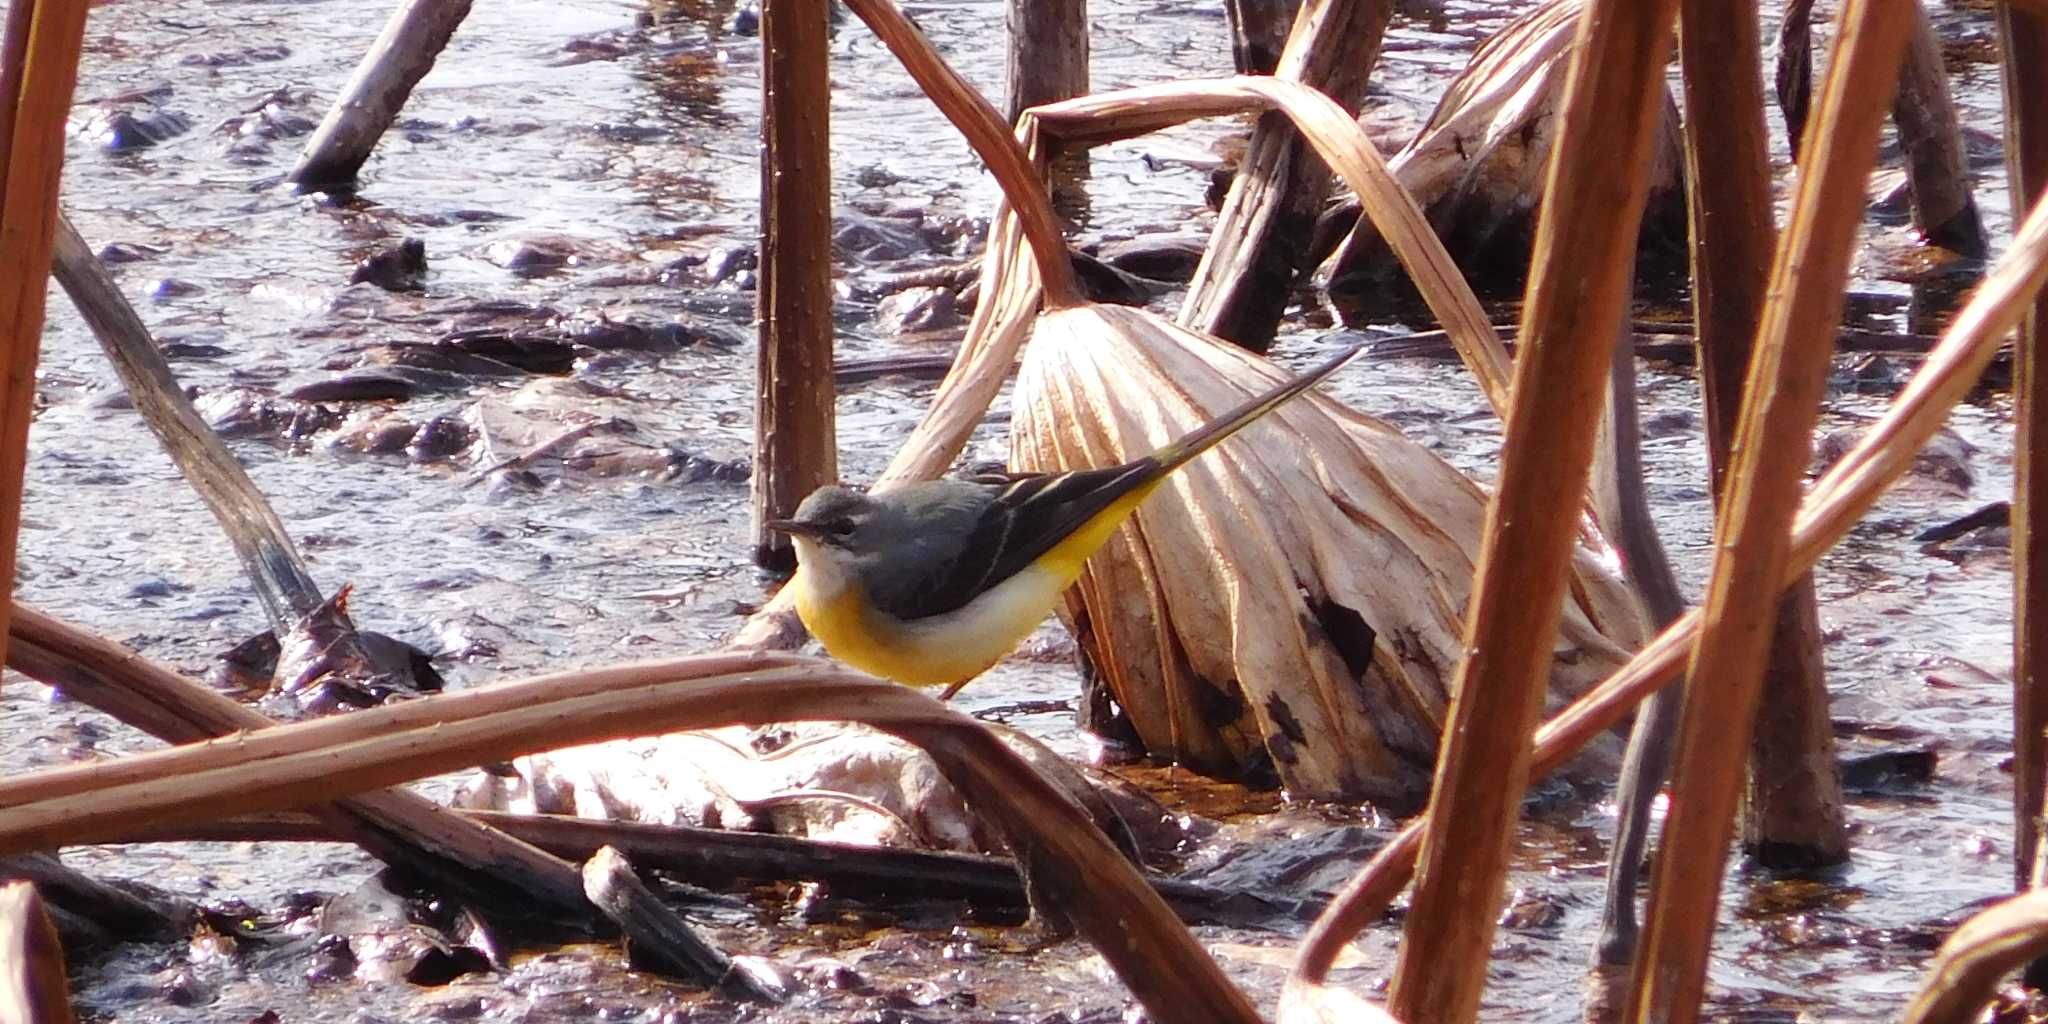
point(1000, 328)
point(990, 136)
point(1648, 567)
point(397, 827)
point(1965, 974)
point(325, 759)
point(1336, 137)
point(1259, 243)
point(1833, 505)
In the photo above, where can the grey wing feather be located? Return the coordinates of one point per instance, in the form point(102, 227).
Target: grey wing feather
point(1024, 517)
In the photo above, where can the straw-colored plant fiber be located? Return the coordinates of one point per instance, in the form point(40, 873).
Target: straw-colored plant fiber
point(1301, 606)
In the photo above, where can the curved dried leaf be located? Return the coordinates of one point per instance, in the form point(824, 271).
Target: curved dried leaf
point(1301, 593)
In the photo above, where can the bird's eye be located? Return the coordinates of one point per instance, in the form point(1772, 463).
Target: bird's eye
point(840, 527)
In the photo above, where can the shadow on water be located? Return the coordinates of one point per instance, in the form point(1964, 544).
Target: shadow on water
point(593, 163)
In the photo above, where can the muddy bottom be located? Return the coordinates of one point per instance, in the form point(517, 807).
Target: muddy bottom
point(581, 180)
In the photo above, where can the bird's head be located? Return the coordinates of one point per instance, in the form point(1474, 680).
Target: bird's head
point(834, 522)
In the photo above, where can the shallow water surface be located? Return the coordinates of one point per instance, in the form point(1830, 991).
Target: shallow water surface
point(621, 138)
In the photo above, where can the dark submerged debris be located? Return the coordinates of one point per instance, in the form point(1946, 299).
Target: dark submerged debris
point(236, 58)
point(1885, 771)
point(130, 252)
point(1158, 257)
point(1944, 465)
point(378, 932)
point(533, 257)
point(104, 911)
point(1997, 514)
point(241, 413)
point(918, 310)
point(123, 132)
point(399, 268)
point(245, 670)
point(326, 663)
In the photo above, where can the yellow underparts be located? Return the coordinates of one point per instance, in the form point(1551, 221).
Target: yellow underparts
point(953, 647)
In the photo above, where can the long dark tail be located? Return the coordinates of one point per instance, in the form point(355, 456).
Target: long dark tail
point(1207, 436)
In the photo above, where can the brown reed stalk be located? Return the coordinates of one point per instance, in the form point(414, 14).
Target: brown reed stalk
point(1794, 79)
point(43, 39)
point(1832, 507)
point(290, 766)
point(2023, 39)
point(32, 986)
point(14, 35)
point(1931, 142)
point(796, 448)
point(1965, 974)
point(1788, 375)
point(1578, 294)
point(1794, 811)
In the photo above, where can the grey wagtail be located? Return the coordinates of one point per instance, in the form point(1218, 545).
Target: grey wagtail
point(930, 583)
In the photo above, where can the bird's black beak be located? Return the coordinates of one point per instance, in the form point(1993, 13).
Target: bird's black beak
point(795, 527)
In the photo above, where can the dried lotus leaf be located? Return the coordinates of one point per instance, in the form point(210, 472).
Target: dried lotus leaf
point(1295, 596)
